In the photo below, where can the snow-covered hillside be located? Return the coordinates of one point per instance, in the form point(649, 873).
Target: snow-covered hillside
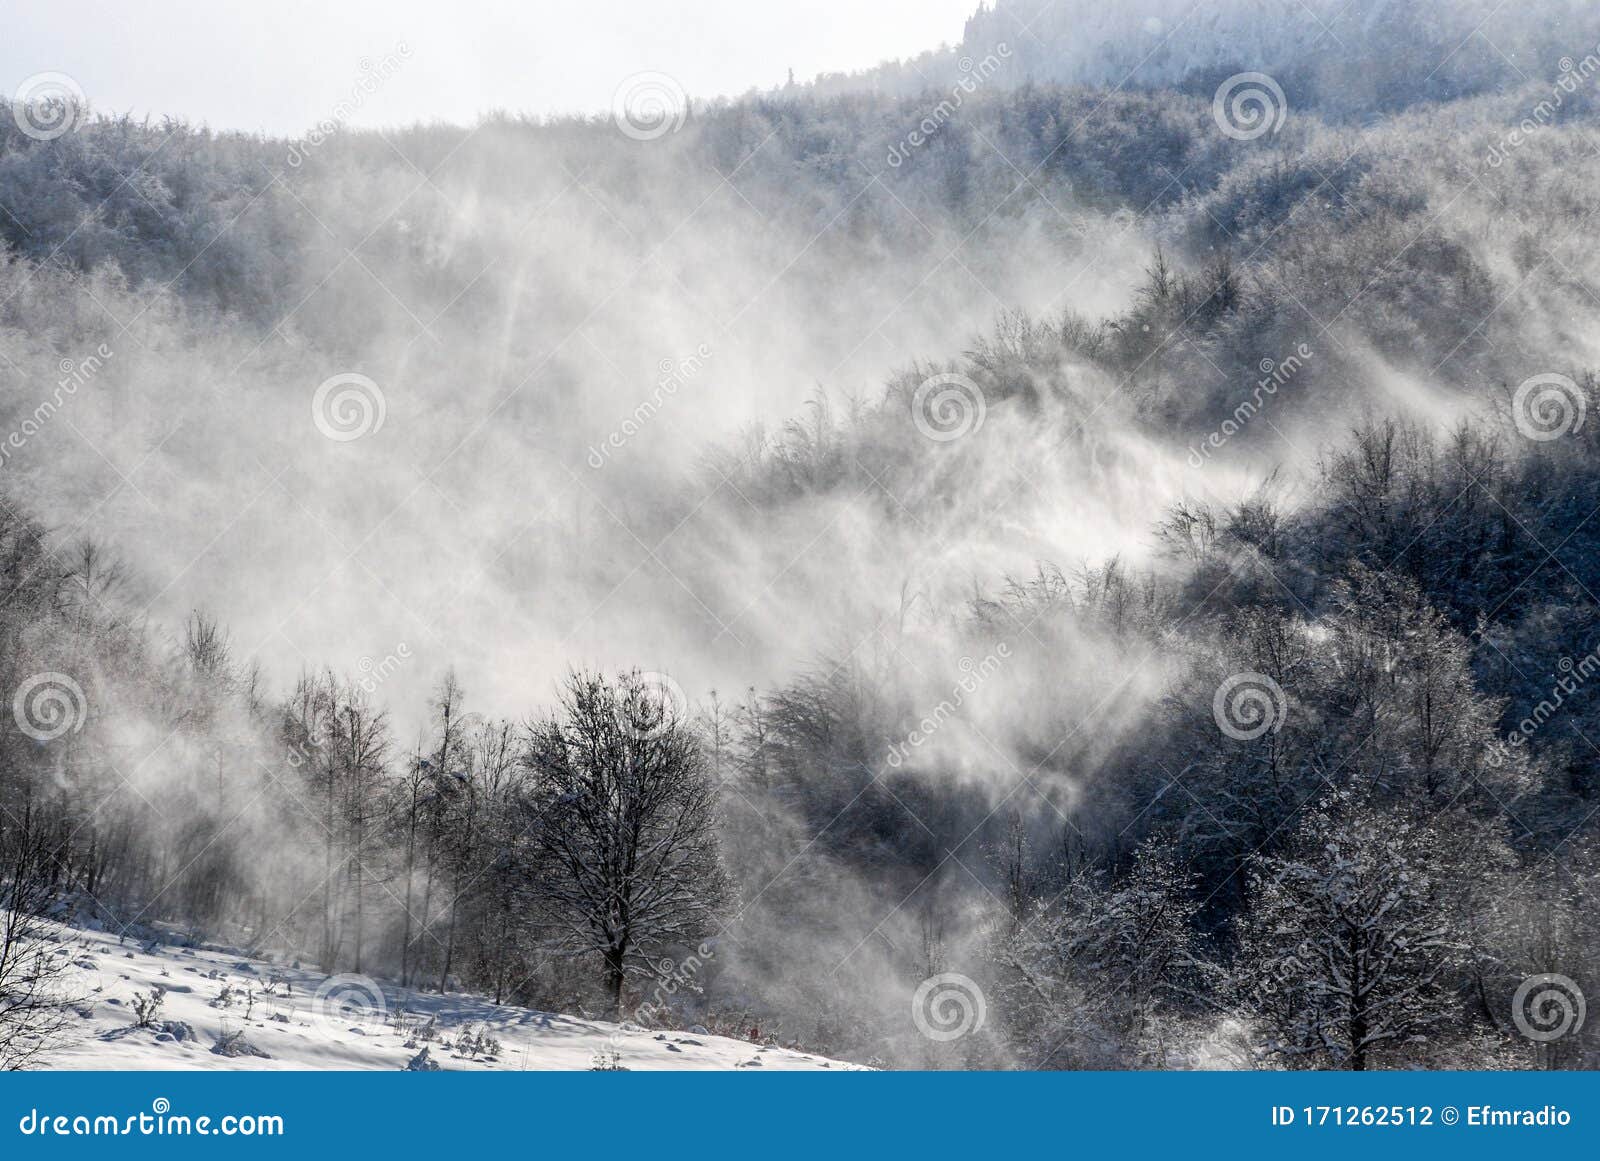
point(222, 1011)
point(1339, 56)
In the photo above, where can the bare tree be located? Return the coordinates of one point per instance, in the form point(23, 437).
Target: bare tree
point(360, 736)
point(626, 824)
point(1345, 953)
point(1105, 972)
point(449, 826)
point(33, 1002)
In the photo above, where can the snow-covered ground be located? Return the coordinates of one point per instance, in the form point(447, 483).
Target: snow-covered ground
point(305, 1020)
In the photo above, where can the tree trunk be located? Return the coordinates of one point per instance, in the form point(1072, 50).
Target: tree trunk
point(614, 978)
point(411, 866)
point(449, 948)
point(1358, 1009)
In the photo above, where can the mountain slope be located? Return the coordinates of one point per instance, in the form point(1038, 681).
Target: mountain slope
point(303, 1020)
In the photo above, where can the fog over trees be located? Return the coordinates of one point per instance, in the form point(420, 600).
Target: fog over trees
point(1070, 580)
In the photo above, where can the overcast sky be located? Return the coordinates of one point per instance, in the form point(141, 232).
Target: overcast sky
point(281, 66)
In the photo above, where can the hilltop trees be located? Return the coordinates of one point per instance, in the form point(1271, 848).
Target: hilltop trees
point(1098, 975)
point(1339, 880)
